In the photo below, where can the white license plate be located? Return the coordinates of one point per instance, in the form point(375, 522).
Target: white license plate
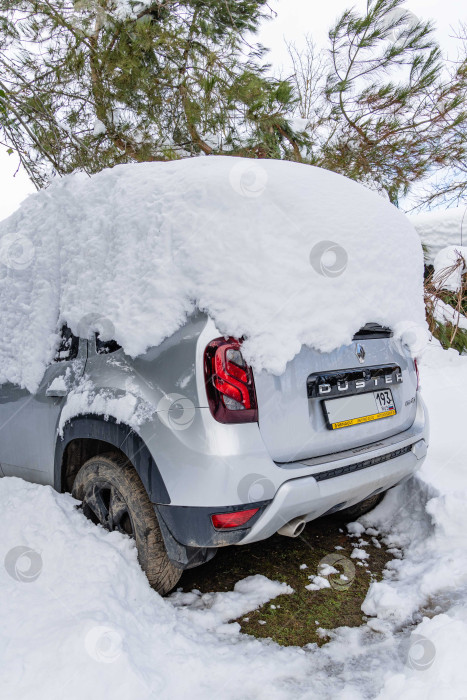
point(360, 408)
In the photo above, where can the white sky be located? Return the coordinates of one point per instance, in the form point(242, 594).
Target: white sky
point(294, 19)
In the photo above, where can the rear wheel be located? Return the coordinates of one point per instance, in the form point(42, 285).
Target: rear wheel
point(113, 495)
point(359, 509)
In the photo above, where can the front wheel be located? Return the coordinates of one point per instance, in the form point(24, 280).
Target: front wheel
point(113, 495)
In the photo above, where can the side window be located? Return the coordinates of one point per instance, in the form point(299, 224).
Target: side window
point(69, 345)
point(105, 347)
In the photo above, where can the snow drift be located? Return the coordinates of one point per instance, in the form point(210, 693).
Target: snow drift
point(440, 228)
point(450, 266)
point(281, 253)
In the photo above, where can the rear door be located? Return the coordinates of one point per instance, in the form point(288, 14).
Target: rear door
point(301, 412)
point(28, 422)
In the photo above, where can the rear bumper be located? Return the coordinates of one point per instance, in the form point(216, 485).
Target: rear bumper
point(190, 536)
point(307, 489)
point(309, 498)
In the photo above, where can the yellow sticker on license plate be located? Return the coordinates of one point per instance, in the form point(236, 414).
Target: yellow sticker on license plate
point(363, 419)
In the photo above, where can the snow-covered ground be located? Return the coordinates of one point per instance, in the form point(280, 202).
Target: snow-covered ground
point(78, 618)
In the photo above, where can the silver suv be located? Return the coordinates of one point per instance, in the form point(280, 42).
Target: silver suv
point(219, 455)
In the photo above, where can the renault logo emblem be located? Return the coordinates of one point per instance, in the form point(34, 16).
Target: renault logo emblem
point(360, 352)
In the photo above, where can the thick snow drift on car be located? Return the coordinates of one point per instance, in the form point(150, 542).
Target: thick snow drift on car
point(284, 254)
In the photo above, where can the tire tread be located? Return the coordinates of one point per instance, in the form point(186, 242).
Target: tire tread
point(162, 574)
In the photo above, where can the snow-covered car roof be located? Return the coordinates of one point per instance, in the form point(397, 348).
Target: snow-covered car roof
point(282, 253)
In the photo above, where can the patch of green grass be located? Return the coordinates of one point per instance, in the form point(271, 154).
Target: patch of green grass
point(295, 618)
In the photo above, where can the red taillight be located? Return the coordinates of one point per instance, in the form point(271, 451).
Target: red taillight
point(229, 382)
point(418, 374)
point(223, 521)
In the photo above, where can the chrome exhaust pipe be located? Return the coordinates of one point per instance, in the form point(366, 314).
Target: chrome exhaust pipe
point(294, 528)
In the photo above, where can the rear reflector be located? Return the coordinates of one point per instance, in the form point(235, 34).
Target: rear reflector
point(223, 521)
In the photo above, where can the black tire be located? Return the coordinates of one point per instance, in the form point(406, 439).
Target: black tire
point(113, 495)
point(354, 512)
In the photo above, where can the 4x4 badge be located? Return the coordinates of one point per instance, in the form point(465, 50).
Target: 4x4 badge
point(360, 352)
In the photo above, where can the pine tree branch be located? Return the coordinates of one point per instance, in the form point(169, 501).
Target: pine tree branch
point(30, 133)
point(293, 143)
